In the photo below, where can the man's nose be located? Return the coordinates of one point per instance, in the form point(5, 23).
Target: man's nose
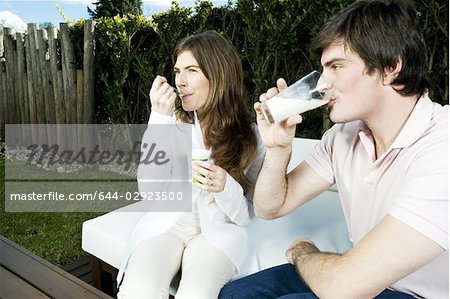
point(324, 87)
point(323, 83)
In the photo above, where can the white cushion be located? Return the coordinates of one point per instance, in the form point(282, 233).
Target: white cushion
point(106, 236)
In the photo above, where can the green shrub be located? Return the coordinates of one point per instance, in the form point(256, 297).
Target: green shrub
point(125, 64)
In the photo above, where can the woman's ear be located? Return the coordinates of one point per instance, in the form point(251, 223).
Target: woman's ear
point(391, 73)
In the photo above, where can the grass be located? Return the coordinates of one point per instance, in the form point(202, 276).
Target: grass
point(56, 237)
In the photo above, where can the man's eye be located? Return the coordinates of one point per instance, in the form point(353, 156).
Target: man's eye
point(335, 67)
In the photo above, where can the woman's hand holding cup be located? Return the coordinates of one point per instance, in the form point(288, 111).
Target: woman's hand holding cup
point(208, 176)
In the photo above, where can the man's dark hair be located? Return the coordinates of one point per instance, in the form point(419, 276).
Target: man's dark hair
point(381, 32)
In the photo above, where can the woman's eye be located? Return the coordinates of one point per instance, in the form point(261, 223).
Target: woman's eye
point(192, 70)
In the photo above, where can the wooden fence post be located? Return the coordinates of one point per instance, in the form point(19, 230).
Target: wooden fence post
point(20, 67)
point(89, 79)
point(69, 79)
point(80, 109)
point(68, 70)
point(37, 84)
point(89, 72)
point(80, 101)
point(47, 88)
point(1, 44)
point(2, 91)
point(56, 76)
point(21, 88)
point(22, 79)
point(36, 74)
point(32, 109)
point(2, 100)
point(16, 79)
point(10, 115)
point(30, 87)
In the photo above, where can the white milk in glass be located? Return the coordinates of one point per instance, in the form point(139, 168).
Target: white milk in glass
point(282, 107)
point(301, 96)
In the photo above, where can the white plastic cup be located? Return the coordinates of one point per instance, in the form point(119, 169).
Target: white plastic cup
point(200, 155)
point(302, 96)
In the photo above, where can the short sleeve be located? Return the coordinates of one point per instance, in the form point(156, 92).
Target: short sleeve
point(321, 157)
point(423, 202)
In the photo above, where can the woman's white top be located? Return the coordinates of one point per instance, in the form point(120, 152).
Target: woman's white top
point(223, 215)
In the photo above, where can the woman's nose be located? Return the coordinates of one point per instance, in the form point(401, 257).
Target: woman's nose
point(180, 80)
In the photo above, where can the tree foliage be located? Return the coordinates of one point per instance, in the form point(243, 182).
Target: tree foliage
point(112, 8)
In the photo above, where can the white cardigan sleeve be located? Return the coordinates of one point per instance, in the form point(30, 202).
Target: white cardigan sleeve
point(159, 118)
point(148, 174)
point(232, 200)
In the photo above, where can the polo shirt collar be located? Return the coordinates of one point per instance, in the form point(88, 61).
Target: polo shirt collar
point(417, 123)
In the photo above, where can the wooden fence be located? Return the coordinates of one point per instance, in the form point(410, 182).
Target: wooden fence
point(39, 81)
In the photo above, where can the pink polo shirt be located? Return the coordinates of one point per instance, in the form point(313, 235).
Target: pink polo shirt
point(409, 181)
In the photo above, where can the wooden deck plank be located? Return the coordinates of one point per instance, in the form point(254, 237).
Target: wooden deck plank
point(41, 274)
point(79, 271)
point(12, 287)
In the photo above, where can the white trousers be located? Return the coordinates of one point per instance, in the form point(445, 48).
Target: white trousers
point(153, 264)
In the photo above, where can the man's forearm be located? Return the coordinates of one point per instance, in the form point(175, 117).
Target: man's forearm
point(316, 269)
point(329, 275)
point(270, 188)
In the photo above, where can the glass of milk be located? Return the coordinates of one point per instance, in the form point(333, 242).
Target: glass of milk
point(306, 94)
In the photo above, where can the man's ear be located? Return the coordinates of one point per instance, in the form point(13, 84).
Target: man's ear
point(391, 73)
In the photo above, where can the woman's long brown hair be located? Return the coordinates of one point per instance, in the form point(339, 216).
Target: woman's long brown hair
point(225, 119)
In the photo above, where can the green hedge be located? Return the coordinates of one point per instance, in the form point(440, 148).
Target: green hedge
point(272, 37)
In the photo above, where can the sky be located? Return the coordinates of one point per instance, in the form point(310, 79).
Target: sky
point(40, 11)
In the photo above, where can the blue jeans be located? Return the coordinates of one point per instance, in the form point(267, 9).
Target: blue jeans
point(280, 282)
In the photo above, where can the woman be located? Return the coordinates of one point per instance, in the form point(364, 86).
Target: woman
point(210, 244)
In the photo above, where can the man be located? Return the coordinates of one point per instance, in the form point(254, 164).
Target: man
point(388, 155)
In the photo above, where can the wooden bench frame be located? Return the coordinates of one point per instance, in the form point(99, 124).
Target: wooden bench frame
point(25, 275)
point(103, 276)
